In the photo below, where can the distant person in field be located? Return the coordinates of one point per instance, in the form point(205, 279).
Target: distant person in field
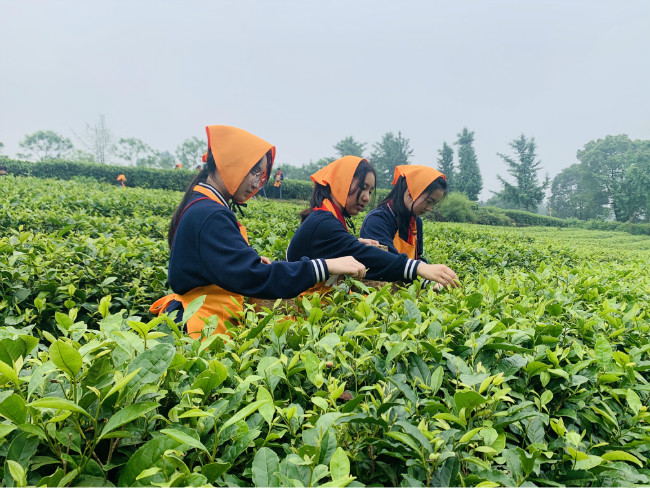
point(396, 222)
point(3, 170)
point(121, 181)
point(277, 183)
point(342, 189)
point(210, 254)
point(178, 166)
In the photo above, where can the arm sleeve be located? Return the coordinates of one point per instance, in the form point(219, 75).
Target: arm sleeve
point(379, 225)
point(331, 240)
point(229, 262)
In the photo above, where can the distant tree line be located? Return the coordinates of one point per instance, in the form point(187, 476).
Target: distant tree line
point(99, 145)
point(612, 180)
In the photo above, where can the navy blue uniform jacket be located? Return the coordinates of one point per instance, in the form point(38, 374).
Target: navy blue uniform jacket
point(322, 235)
point(208, 249)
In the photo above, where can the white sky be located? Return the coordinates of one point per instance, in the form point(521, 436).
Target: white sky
point(304, 74)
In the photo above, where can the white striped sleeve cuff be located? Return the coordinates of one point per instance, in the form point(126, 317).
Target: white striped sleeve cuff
point(320, 269)
point(409, 269)
point(425, 283)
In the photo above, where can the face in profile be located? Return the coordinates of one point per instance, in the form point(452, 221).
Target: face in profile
point(254, 179)
point(357, 200)
point(424, 203)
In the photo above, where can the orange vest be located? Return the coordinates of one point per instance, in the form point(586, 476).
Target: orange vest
point(407, 247)
point(218, 301)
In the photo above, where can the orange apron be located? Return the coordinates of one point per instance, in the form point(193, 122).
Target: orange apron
point(407, 247)
point(218, 301)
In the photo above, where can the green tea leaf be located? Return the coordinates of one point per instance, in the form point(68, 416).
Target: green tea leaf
point(603, 351)
point(633, 401)
point(622, 456)
point(468, 400)
point(128, 414)
point(265, 467)
point(13, 408)
point(58, 404)
point(243, 413)
point(152, 363)
point(66, 358)
point(184, 438)
point(339, 464)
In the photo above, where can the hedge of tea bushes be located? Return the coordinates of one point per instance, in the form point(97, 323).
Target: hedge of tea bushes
point(534, 373)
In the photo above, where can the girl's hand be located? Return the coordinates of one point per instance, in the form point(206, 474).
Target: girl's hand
point(368, 242)
point(439, 273)
point(265, 260)
point(346, 265)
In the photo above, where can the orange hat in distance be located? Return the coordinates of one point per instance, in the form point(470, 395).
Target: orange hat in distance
point(417, 177)
point(235, 152)
point(338, 175)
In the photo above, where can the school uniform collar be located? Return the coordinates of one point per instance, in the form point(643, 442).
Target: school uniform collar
point(215, 191)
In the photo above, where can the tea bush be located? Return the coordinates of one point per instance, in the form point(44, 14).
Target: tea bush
point(534, 373)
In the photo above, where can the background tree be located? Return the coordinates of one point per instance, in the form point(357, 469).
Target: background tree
point(302, 172)
point(391, 151)
point(632, 194)
point(190, 152)
point(608, 161)
point(568, 196)
point(446, 165)
point(526, 193)
point(158, 159)
point(44, 145)
point(131, 150)
point(166, 159)
point(1, 146)
point(99, 141)
point(468, 178)
point(350, 147)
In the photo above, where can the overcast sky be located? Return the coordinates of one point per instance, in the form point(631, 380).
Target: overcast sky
point(304, 74)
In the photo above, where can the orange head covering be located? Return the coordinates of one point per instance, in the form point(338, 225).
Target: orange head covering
point(338, 175)
point(235, 153)
point(417, 177)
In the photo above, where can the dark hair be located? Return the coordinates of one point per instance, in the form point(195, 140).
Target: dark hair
point(208, 168)
point(396, 199)
point(322, 192)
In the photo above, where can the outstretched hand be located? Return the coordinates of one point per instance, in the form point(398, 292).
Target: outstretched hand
point(440, 274)
point(346, 265)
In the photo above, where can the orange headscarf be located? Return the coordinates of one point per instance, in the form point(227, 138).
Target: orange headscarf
point(417, 177)
point(338, 175)
point(235, 152)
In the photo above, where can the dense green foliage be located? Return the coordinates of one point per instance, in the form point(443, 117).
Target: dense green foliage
point(535, 372)
point(613, 176)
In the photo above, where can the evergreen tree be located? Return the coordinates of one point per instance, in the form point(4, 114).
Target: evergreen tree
point(350, 147)
point(468, 179)
point(446, 165)
point(526, 193)
point(390, 152)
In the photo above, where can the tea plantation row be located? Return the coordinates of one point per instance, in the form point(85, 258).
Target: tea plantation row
point(534, 373)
